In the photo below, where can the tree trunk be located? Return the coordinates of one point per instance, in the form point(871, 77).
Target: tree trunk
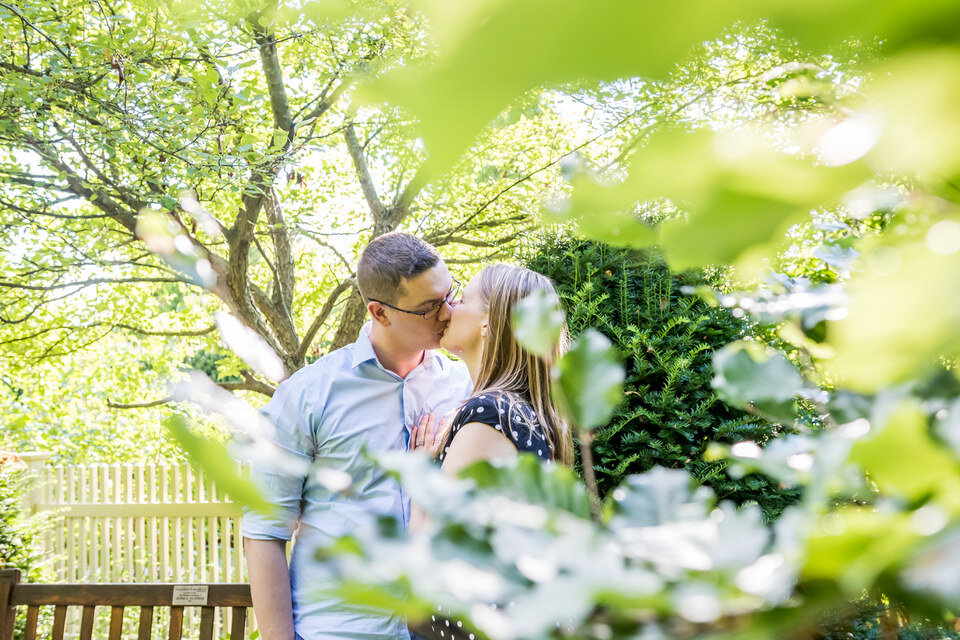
point(353, 316)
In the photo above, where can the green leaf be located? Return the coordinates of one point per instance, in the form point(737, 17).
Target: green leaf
point(597, 221)
point(852, 546)
point(247, 140)
point(589, 381)
point(18, 422)
point(538, 322)
point(215, 461)
point(660, 496)
point(491, 52)
point(279, 138)
point(918, 94)
point(749, 374)
point(740, 194)
point(527, 479)
point(902, 316)
point(902, 459)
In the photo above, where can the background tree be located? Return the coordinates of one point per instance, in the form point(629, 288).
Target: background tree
point(233, 131)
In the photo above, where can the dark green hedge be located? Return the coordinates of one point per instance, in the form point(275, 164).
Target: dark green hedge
point(666, 340)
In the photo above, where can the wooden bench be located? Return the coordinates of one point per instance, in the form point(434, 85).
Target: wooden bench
point(14, 594)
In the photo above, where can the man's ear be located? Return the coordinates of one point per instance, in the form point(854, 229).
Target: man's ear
point(378, 313)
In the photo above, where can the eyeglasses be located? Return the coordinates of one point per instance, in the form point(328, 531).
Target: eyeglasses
point(429, 314)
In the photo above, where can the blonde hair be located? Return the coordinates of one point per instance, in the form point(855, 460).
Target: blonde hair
point(505, 366)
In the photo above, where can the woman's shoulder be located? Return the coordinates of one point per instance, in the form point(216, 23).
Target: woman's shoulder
point(510, 414)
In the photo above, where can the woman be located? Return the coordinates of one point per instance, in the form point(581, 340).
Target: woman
point(510, 410)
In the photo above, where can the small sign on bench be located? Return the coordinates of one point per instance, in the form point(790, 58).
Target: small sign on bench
point(190, 594)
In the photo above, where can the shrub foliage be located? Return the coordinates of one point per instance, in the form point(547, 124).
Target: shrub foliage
point(666, 339)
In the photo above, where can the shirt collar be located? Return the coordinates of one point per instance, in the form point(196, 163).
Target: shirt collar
point(363, 348)
point(363, 351)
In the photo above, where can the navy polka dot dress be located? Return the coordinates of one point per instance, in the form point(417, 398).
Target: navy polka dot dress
point(508, 414)
point(514, 418)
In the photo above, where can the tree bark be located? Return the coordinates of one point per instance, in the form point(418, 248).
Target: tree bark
point(353, 316)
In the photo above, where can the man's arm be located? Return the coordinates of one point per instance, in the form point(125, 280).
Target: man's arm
point(270, 587)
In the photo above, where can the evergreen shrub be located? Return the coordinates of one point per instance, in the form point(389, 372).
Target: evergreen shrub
point(666, 340)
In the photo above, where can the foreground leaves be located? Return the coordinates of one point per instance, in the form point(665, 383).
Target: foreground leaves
point(751, 375)
point(219, 465)
point(510, 550)
point(538, 322)
point(589, 380)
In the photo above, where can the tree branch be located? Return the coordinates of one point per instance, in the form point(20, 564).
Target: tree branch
point(183, 333)
point(282, 325)
point(249, 384)
point(273, 73)
point(526, 177)
point(43, 212)
point(294, 36)
point(125, 196)
point(91, 282)
point(139, 405)
point(638, 138)
point(326, 245)
point(325, 311)
point(37, 184)
point(327, 102)
point(499, 253)
point(75, 183)
point(285, 268)
point(37, 334)
point(380, 217)
point(401, 207)
point(473, 242)
point(270, 266)
point(34, 27)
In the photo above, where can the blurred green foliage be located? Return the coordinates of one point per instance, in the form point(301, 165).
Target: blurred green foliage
point(879, 486)
point(879, 511)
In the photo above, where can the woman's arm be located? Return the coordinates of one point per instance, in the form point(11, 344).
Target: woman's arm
point(476, 441)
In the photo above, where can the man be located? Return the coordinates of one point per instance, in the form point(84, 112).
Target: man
point(361, 398)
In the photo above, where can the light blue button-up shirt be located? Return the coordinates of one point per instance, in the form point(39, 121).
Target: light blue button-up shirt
point(326, 416)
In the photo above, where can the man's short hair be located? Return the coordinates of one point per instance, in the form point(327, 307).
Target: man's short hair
point(389, 260)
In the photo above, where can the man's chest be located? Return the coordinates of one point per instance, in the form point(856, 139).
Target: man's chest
point(373, 414)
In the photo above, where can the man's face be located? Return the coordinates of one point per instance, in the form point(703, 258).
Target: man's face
point(420, 293)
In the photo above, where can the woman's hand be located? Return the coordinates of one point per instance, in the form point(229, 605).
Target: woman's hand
point(429, 434)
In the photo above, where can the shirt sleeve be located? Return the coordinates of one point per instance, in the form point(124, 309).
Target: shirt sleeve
point(282, 463)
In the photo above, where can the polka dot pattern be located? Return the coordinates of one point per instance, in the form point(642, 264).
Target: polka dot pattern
point(513, 417)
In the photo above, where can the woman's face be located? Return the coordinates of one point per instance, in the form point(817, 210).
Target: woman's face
point(463, 334)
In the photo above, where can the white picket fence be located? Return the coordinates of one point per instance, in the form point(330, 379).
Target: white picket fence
point(136, 523)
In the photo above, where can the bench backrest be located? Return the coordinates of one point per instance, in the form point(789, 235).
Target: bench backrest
point(208, 597)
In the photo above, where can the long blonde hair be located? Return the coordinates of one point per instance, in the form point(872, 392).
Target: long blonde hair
point(507, 367)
